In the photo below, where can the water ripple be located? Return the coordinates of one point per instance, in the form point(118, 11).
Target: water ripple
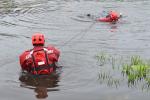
point(8, 35)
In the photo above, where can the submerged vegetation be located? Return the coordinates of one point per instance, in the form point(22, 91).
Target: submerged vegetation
point(136, 70)
point(133, 70)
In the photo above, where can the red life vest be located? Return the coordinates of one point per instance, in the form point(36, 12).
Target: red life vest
point(41, 64)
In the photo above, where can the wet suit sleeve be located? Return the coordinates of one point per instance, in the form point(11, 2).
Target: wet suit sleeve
point(25, 61)
point(54, 54)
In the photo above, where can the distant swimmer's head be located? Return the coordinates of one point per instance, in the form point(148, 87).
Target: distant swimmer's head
point(88, 15)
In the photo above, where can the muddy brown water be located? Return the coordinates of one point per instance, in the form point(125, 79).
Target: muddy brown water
point(79, 40)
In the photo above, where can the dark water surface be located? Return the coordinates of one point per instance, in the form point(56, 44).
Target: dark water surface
point(79, 40)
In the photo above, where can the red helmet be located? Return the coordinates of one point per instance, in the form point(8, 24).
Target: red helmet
point(114, 15)
point(38, 39)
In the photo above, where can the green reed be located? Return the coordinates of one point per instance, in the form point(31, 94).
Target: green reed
point(134, 69)
point(109, 79)
point(138, 69)
point(104, 58)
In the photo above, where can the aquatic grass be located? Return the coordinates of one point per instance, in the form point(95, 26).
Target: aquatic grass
point(136, 60)
point(136, 70)
point(105, 77)
point(104, 58)
point(133, 69)
point(110, 62)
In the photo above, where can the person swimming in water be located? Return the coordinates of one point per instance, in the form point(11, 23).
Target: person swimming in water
point(112, 16)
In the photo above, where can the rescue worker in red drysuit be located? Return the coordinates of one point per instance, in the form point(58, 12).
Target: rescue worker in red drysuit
point(111, 17)
point(40, 59)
